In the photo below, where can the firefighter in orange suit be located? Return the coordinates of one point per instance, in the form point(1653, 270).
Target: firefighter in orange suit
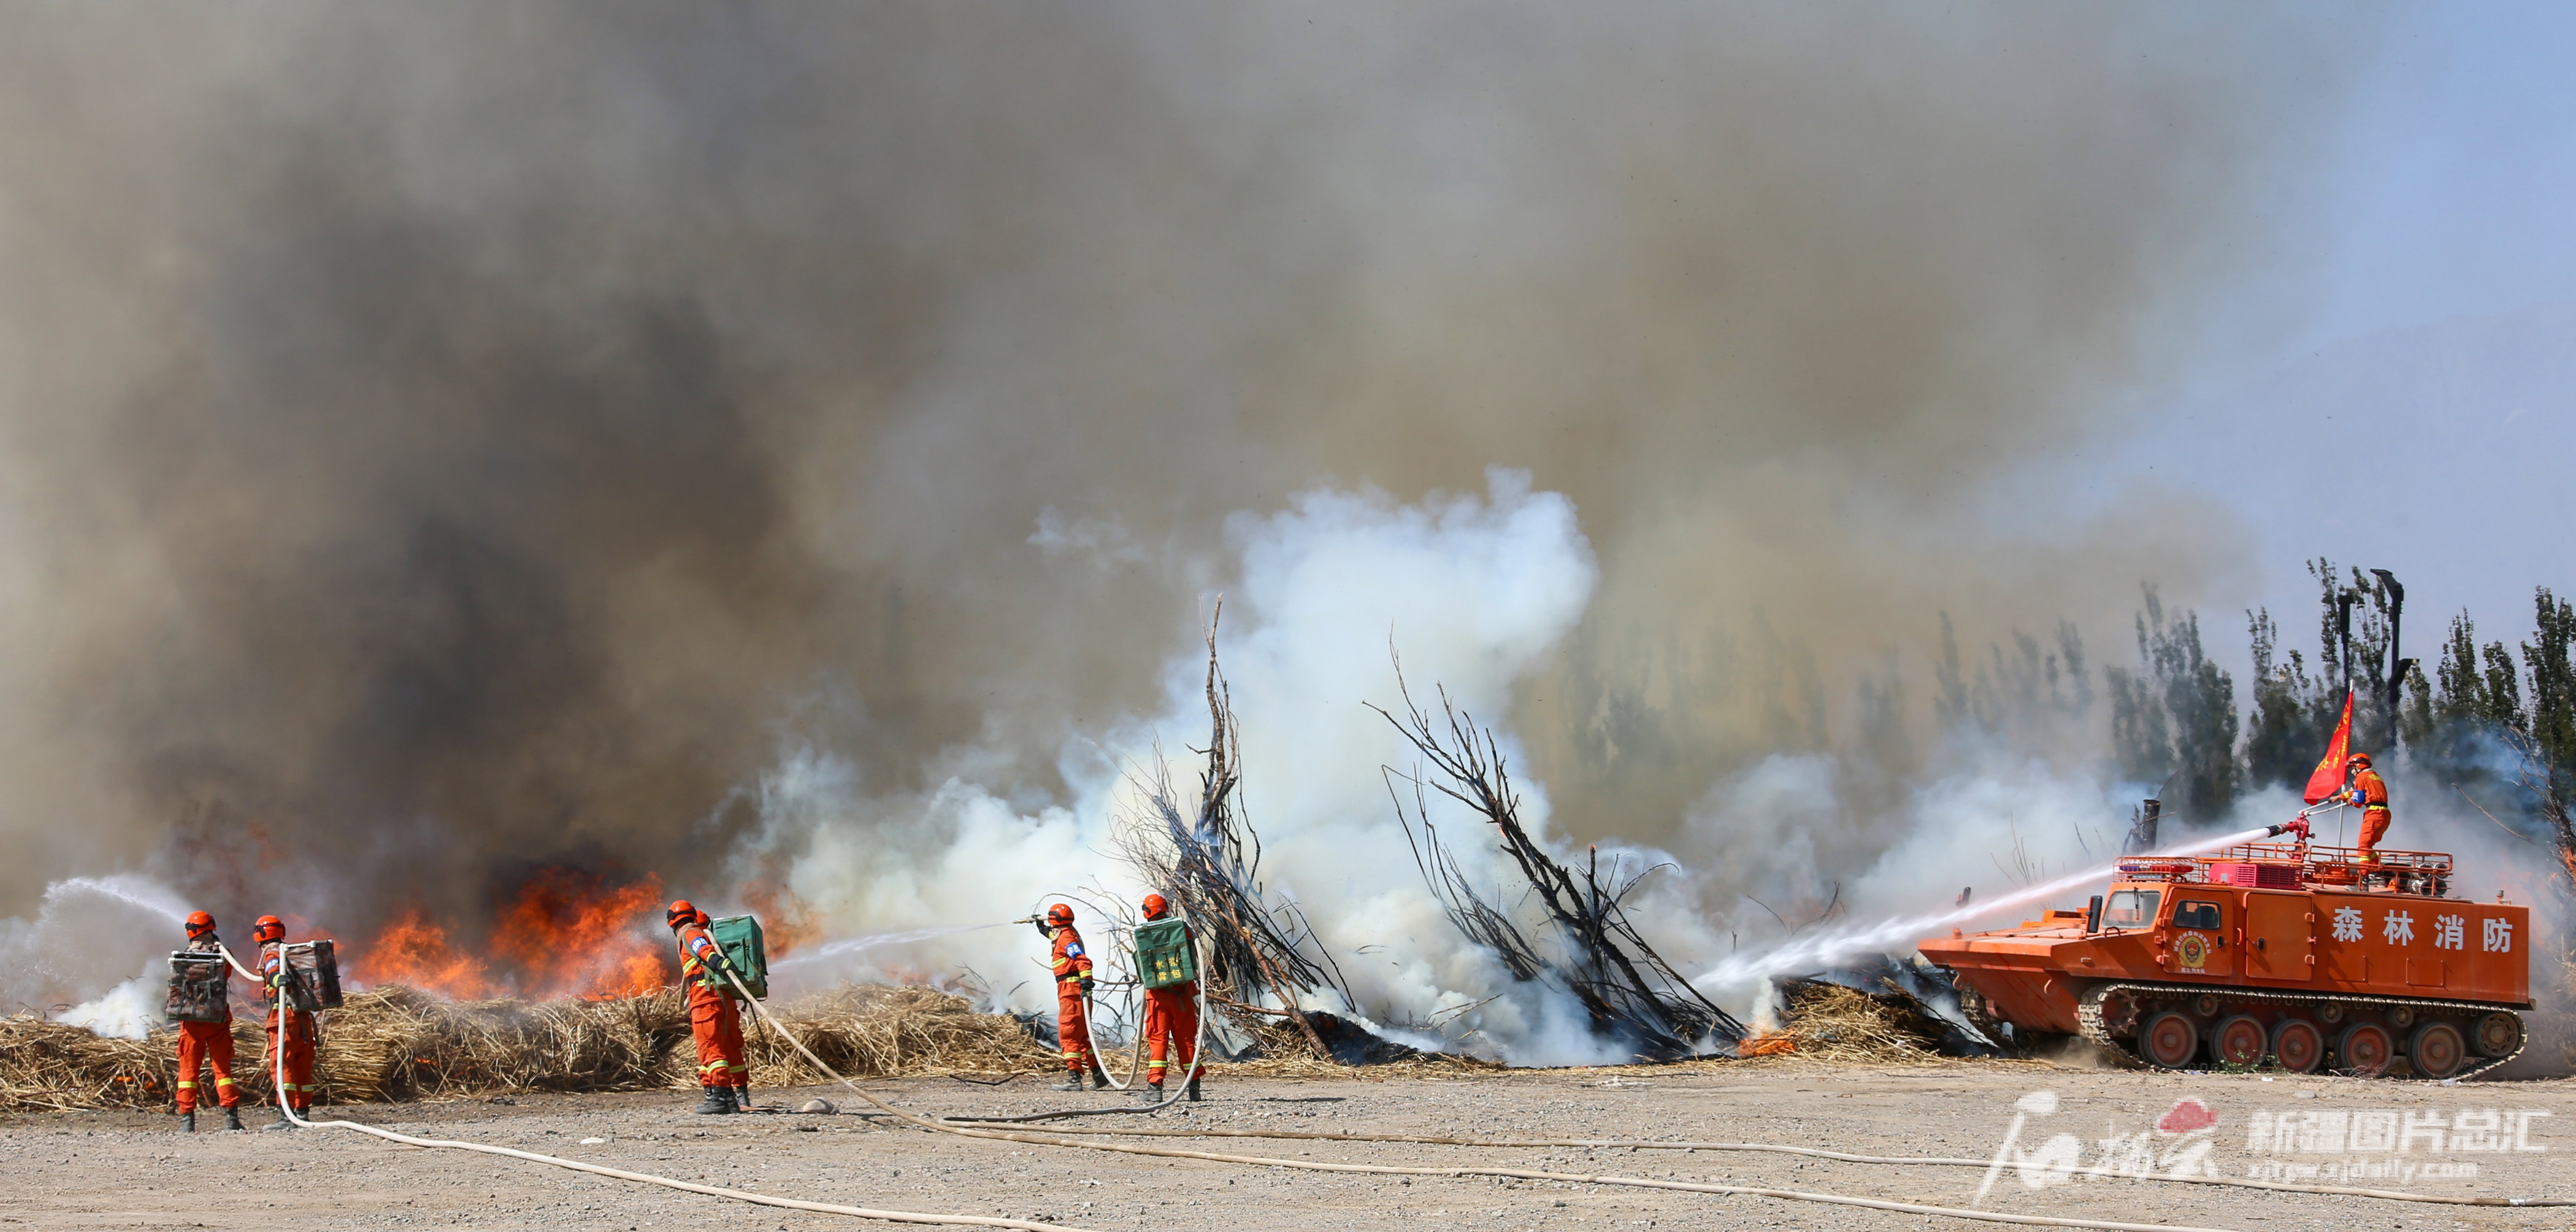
point(717, 1026)
point(2370, 795)
point(207, 1045)
point(289, 1028)
point(1072, 982)
point(1171, 1016)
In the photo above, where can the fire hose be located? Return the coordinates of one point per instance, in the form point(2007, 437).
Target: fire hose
point(1135, 1058)
point(967, 1130)
point(2393, 1195)
point(1532, 1174)
point(286, 1109)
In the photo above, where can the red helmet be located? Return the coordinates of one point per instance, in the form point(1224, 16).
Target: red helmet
point(1059, 915)
point(268, 928)
point(2358, 761)
point(681, 912)
point(1155, 906)
point(200, 923)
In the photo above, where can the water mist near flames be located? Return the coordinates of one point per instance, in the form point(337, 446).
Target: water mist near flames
point(773, 453)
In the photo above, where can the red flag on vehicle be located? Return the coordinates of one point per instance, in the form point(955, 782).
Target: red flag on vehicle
point(2329, 776)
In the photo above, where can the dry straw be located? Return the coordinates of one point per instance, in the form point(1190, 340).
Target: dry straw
point(394, 1043)
point(1832, 1023)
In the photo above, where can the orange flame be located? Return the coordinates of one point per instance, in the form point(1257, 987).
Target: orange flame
point(786, 921)
point(572, 934)
point(567, 933)
point(415, 952)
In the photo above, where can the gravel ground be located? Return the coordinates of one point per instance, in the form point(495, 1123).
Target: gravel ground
point(131, 1170)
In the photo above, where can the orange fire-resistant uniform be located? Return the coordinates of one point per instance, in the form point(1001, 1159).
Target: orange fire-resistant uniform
point(204, 1044)
point(2372, 795)
point(713, 1020)
point(1072, 1032)
point(297, 1086)
point(1171, 1015)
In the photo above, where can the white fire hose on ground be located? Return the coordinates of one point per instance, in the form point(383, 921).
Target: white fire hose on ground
point(1532, 1174)
point(286, 1108)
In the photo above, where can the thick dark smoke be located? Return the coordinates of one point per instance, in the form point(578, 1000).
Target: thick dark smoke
point(444, 441)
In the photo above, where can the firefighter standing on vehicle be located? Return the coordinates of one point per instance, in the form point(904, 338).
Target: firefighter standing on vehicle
point(207, 1045)
point(713, 1021)
point(1072, 983)
point(1171, 1016)
point(2369, 794)
point(291, 1035)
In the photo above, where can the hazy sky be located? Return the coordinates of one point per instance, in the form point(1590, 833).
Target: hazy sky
point(2402, 398)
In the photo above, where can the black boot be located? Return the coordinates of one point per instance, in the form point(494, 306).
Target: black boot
point(281, 1122)
point(1072, 1081)
point(718, 1102)
point(1099, 1078)
point(1194, 1088)
point(742, 1099)
point(1150, 1095)
point(188, 1121)
point(232, 1118)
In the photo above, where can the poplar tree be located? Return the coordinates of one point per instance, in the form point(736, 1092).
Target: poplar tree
point(2174, 719)
point(2282, 737)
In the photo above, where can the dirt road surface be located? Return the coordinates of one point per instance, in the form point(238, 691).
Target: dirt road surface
point(132, 1170)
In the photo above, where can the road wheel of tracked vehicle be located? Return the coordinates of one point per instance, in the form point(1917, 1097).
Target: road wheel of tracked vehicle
point(2239, 1040)
point(2436, 1050)
point(2498, 1034)
point(2365, 1049)
point(2169, 1040)
point(2402, 1017)
point(2298, 1046)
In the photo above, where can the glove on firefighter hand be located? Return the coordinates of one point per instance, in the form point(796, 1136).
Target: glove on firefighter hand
point(1086, 985)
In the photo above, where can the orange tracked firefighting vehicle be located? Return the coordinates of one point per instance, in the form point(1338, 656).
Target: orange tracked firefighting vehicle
point(2301, 956)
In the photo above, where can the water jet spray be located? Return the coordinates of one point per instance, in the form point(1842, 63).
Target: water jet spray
point(853, 945)
point(1830, 949)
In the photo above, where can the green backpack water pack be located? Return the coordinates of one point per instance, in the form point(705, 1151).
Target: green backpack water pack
point(1164, 956)
point(739, 937)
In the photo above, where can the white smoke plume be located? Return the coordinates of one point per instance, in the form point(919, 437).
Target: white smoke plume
point(87, 935)
point(1474, 589)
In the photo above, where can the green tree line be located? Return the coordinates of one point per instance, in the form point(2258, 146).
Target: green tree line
point(2487, 712)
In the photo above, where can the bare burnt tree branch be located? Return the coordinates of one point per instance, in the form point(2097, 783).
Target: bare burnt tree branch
point(1206, 859)
point(1626, 988)
point(1483, 923)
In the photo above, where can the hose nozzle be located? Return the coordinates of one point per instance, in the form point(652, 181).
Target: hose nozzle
point(2296, 825)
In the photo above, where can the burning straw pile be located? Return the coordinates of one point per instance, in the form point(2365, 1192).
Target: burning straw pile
point(1830, 1022)
point(395, 1044)
point(871, 1030)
